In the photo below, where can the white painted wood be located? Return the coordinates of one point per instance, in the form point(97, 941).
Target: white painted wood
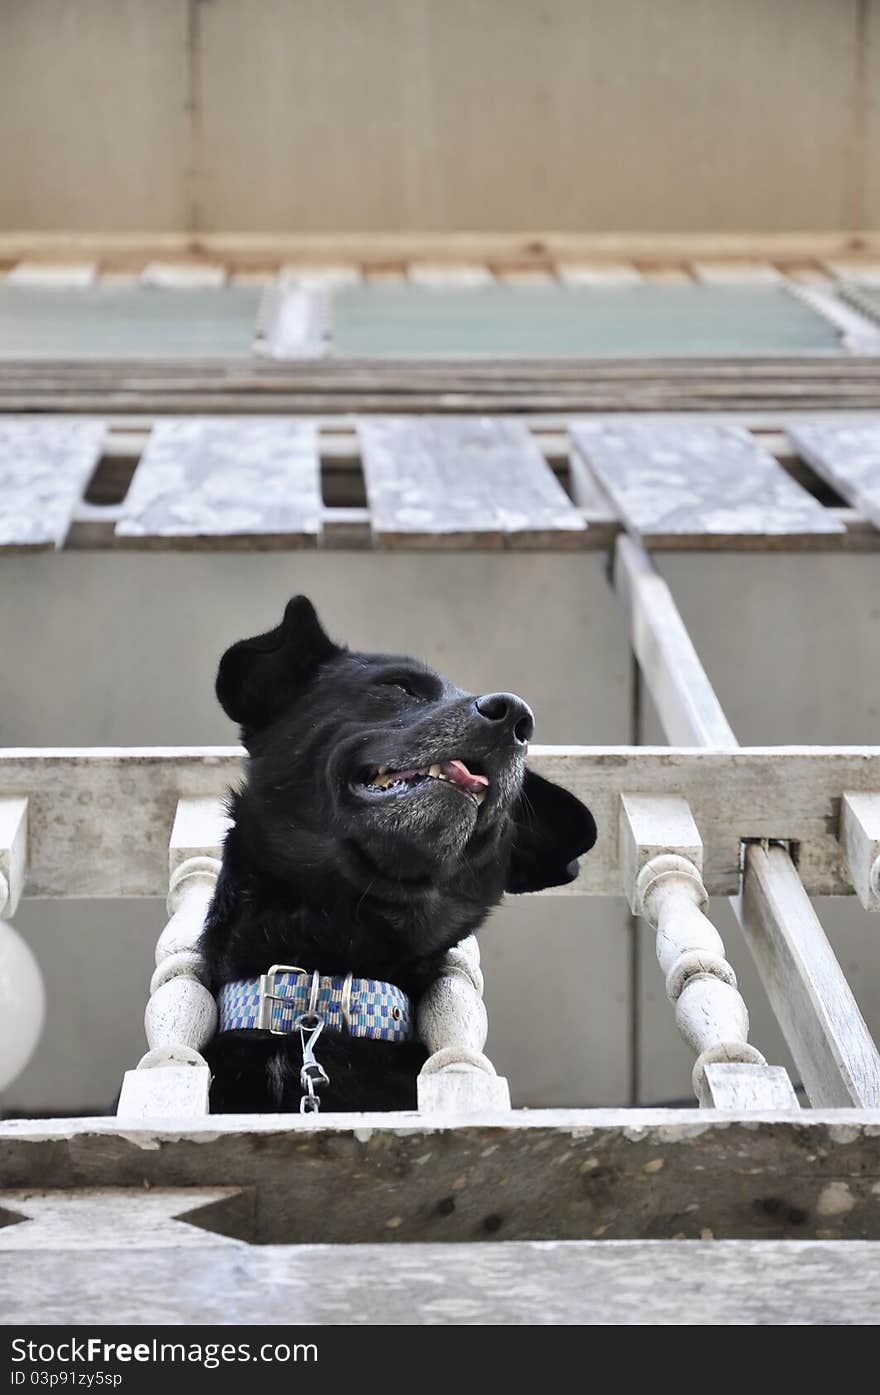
point(292, 322)
point(860, 836)
point(450, 275)
point(662, 883)
point(826, 1033)
point(110, 1218)
point(200, 826)
point(652, 824)
point(315, 277)
point(96, 815)
point(707, 1282)
point(733, 273)
point(184, 276)
point(22, 993)
point(168, 1092)
point(53, 276)
point(598, 274)
point(181, 1015)
point(680, 689)
point(13, 853)
point(738, 1086)
point(457, 1077)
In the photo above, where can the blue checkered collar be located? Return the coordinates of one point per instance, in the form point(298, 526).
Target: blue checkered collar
point(275, 1002)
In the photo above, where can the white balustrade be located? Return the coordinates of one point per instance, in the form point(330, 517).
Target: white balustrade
point(22, 995)
point(458, 1078)
point(662, 858)
point(173, 1078)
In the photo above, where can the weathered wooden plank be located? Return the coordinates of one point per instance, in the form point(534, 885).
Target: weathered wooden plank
point(291, 322)
point(735, 273)
point(860, 835)
point(44, 468)
point(598, 273)
point(847, 455)
point(680, 689)
point(99, 819)
point(697, 481)
point(317, 276)
point(53, 275)
point(826, 1034)
point(184, 276)
point(229, 478)
point(545, 1175)
point(584, 1283)
point(112, 1218)
point(462, 479)
point(443, 275)
point(737, 1086)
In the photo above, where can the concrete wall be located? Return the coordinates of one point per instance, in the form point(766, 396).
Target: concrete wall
point(497, 115)
point(121, 649)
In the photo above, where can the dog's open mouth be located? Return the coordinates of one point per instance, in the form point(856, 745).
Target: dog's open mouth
point(384, 781)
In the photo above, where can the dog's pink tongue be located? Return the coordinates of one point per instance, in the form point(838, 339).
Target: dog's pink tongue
point(457, 771)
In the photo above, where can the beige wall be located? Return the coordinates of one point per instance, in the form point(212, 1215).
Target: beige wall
point(494, 115)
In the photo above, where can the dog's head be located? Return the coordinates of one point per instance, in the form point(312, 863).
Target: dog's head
point(381, 767)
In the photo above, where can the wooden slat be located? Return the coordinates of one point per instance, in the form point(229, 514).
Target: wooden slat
point(184, 276)
point(848, 457)
point(454, 480)
point(734, 273)
point(826, 1034)
point(44, 468)
point(598, 273)
point(698, 482)
point(443, 275)
point(651, 1282)
point(685, 700)
point(230, 478)
point(52, 276)
point(99, 820)
point(291, 322)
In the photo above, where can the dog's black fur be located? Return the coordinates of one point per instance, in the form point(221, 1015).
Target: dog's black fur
point(322, 870)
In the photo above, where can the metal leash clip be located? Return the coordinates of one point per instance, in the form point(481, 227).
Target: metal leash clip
point(313, 1075)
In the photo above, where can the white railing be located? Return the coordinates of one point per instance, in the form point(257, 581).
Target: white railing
point(133, 823)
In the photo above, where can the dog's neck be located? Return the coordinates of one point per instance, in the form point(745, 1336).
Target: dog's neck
point(317, 919)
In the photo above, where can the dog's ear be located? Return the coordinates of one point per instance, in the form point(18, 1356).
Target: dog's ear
point(259, 677)
point(552, 828)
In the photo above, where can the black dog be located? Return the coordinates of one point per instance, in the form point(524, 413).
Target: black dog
point(384, 813)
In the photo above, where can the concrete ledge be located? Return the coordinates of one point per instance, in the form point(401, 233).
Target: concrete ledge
point(528, 1175)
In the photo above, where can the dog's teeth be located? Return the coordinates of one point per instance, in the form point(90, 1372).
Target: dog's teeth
point(434, 772)
point(382, 769)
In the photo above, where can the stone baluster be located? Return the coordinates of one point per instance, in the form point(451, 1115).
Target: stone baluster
point(173, 1078)
point(22, 996)
point(662, 860)
point(457, 1077)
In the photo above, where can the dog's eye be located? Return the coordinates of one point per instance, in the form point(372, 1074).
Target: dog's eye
point(402, 683)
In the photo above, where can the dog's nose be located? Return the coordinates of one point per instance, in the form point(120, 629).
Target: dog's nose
point(510, 714)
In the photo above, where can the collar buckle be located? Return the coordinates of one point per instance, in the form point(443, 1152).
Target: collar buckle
point(269, 996)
